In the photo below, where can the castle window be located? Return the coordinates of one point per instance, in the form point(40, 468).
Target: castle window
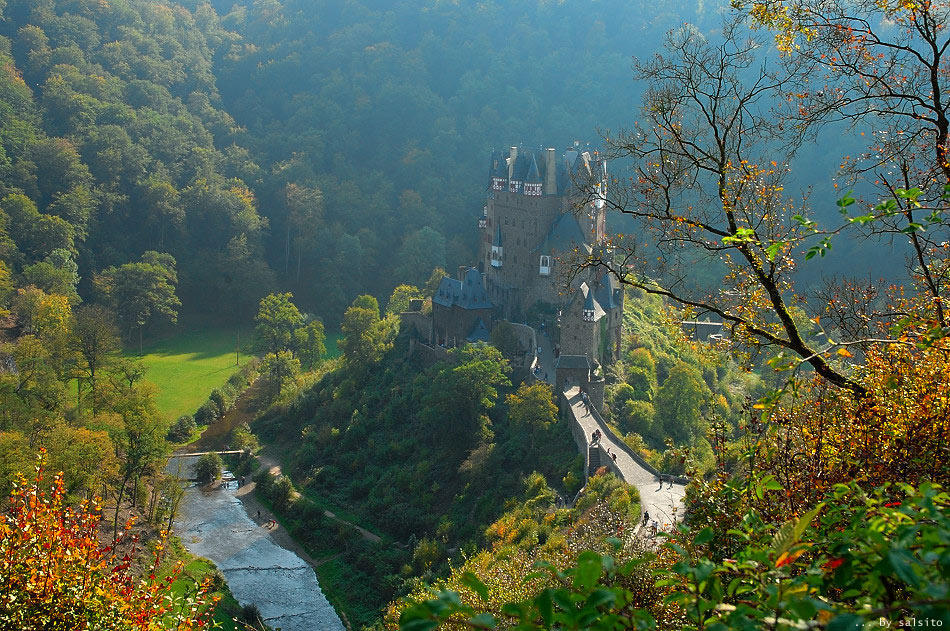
point(545, 267)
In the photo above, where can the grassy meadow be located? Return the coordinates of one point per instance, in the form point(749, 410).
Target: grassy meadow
point(196, 359)
point(188, 365)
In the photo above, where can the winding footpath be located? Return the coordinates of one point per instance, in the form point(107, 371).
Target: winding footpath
point(662, 500)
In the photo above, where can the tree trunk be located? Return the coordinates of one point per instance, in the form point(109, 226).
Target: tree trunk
point(118, 506)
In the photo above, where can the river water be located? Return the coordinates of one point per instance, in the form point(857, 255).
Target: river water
point(213, 524)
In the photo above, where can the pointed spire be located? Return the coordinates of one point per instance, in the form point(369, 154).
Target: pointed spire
point(534, 175)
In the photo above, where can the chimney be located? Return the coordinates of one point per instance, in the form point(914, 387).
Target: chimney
point(513, 155)
point(550, 173)
point(462, 270)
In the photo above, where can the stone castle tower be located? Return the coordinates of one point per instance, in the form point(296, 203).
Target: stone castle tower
point(535, 224)
point(530, 225)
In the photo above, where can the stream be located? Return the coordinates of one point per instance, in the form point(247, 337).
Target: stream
point(213, 524)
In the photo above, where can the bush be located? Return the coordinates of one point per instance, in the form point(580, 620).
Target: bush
point(282, 492)
point(182, 429)
point(310, 517)
point(243, 439)
point(206, 414)
point(220, 401)
point(208, 468)
point(251, 616)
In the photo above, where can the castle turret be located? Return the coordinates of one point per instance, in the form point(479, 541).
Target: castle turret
point(499, 171)
point(589, 307)
point(518, 172)
point(532, 181)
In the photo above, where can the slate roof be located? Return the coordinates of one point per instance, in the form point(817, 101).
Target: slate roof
point(468, 293)
point(573, 362)
point(565, 235)
point(608, 294)
point(534, 176)
point(479, 332)
point(581, 165)
point(497, 167)
point(590, 301)
point(521, 168)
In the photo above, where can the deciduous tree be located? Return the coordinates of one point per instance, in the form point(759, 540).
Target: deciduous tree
point(532, 409)
point(139, 292)
point(56, 575)
point(706, 192)
point(95, 338)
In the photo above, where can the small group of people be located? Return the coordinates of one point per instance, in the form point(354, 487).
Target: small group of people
point(654, 525)
point(269, 524)
point(613, 456)
point(595, 436)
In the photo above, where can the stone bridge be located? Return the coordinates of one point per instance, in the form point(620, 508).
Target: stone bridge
point(661, 495)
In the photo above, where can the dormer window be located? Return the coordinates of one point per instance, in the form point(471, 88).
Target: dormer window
point(533, 189)
point(588, 315)
point(483, 222)
point(545, 267)
point(496, 255)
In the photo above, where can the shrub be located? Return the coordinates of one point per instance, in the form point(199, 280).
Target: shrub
point(243, 439)
point(182, 429)
point(282, 492)
point(263, 481)
point(57, 575)
point(251, 616)
point(208, 468)
point(310, 517)
point(220, 401)
point(206, 414)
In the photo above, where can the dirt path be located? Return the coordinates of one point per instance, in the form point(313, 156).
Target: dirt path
point(272, 466)
point(216, 436)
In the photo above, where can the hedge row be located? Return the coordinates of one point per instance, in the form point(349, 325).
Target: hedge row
point(222, 399)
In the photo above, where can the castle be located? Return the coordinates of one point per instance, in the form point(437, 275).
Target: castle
point(532, 226)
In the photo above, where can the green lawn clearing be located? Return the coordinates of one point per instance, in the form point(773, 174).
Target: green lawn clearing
point(187, 366)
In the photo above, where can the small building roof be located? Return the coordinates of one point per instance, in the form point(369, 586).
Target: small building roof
point(588, 300)
point(581, 165)
point(468, 293)
point(573, 362)
point(608, 293)
point(479, 332)
point(497, 167)
point(533, 176)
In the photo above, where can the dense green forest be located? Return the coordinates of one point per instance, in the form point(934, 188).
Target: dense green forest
point(256, 144)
